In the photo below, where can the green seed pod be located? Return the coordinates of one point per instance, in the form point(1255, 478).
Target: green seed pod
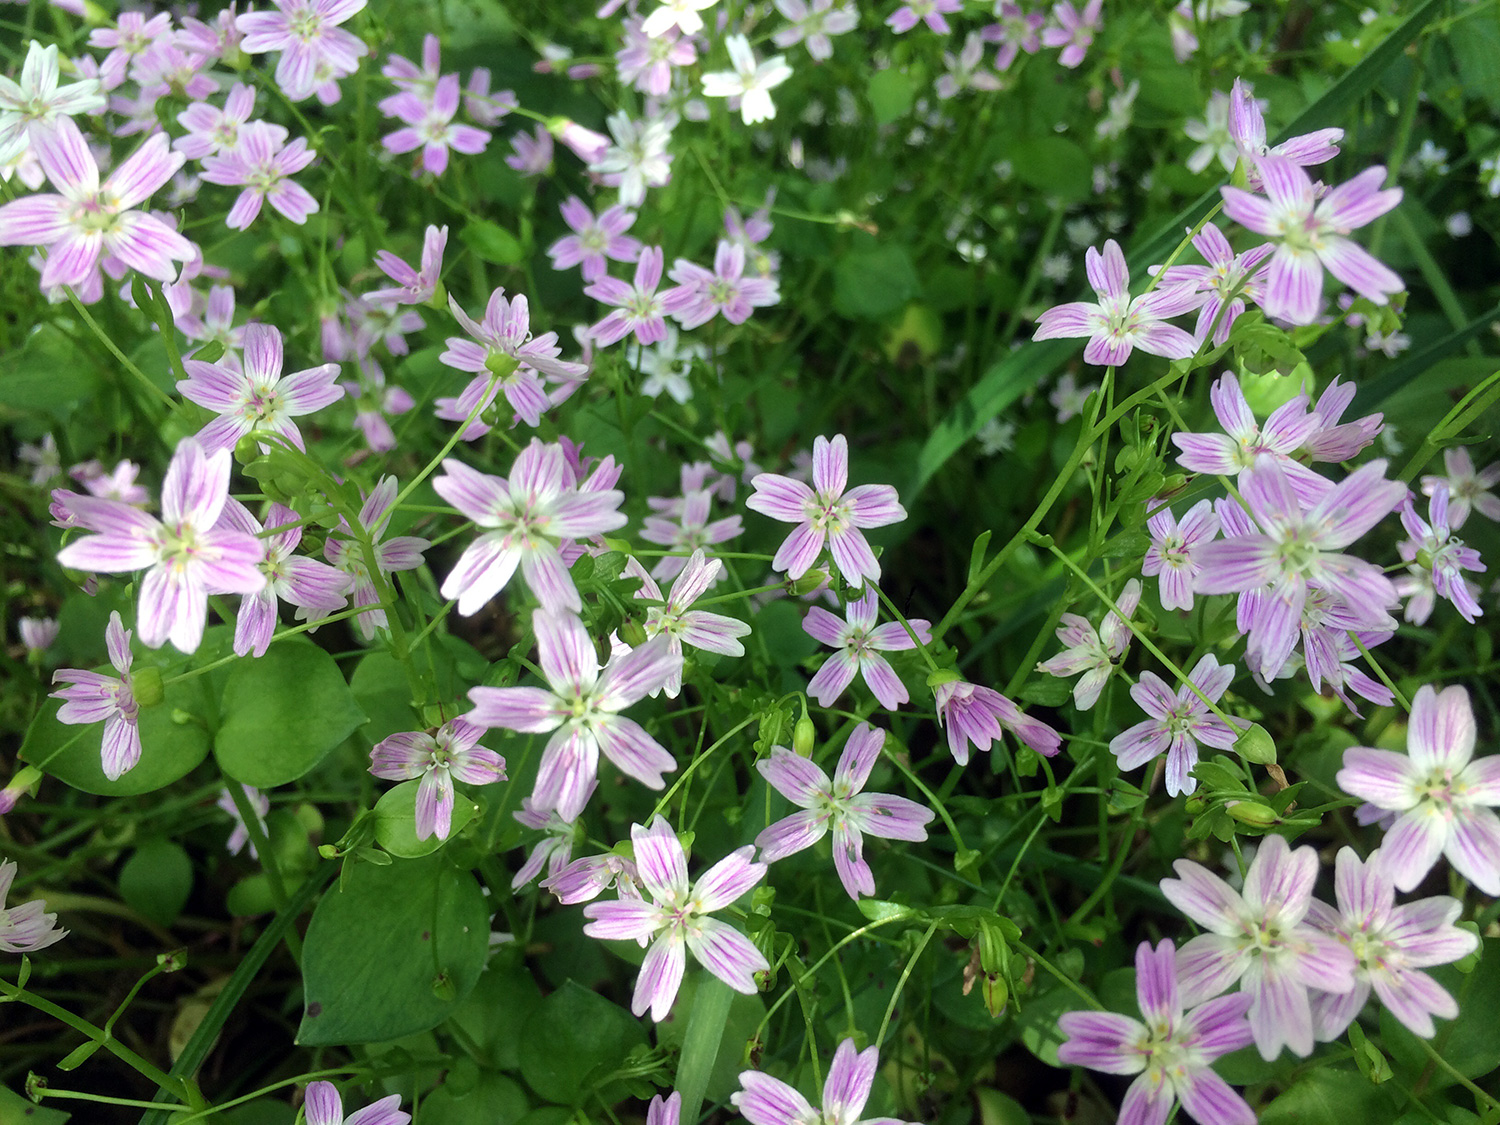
point(1253, 813)
point(632, 632)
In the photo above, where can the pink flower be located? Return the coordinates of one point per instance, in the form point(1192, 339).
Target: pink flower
point(324, 1106)
point(1466, 488)
point(860, 642)
point(256, 397)
point(1172, 551)
point(1016, 30)
point(1073, 30)
point(639, 307)
point(485, 108)
point(1259, 939)
point(691, 531)
point(676, 920)
point(647, 63)
point(1170, 1051)
point(1247, 129)
point(314, 49)
point(1178, 723)
point(404, 552)
point(1118, 324)
point(1094, 652)
point(453, 751)
point(698, 628)
point(830, 513)
point(24, 928)
point(1223, 285)
point(977, 715)
point(525, 521)
point(429, 126)
point(413, 287)
point(701, 294)
point(1439, 557)
point(839, 806)
point(813, 24)
point(1440, 795)
point(930, 12)
point(507, 356)
point(593, 239)
point(86, 220)
point(532, 151)
point(763, 1100)
point(1309, 235)
point(93, 697)
point(292, 578)
point(263, 163)
point(1391, 946)
point(210, 130)
point(581, 705)
point(188, 556)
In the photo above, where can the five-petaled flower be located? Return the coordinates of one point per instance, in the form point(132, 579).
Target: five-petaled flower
point(1441, 797)
point(840, 806)
point(763, 1100)
point(452, 751)
point(830, 512)
point(860, 642)
point(675, 919)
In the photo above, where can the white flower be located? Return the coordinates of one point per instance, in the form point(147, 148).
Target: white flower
point(749, 81)
point(639, 158)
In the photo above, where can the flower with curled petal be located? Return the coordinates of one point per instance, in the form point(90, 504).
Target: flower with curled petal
point(675, 919)
point(763, 1100)
point(24, 928)
point(828, 513)
point(92, 697)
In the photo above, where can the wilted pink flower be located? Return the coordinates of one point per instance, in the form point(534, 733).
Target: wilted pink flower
point(1178, 724)
point(1259, 938)
point(24, 928)
point(840, 806)
point(581, 705)
point(976, 715)
point(262, 163)
point(1118, 324)
point(676, 919)
point(452, 751)
point(1171, 1051)
point(92, 697)
point(763, 1100)
point(1094, 652)
point(292, 578)
point(1441, 796)
point(188, 556)
point(1391, 946)
point(555, 848)
point(830, 513)
point(323, 1106)
point(87, 220)
point(314, 49)
point(1309, 234)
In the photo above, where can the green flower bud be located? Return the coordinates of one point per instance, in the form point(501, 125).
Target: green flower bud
point(804, 734)
point(1256, 745)
point(146, 686)
point(943, 676)
point(1253, 813)
point(813, 580)
point(632, 632)
point(996, 994)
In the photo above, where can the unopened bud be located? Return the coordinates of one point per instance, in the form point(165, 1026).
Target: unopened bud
point(632, 632)
point(1194, 805)
point(24, 780)
point(804, 734)
point(809, 583)
point(1256, 745)
point(146, 686)
point(943, 676)
point(1253, 813)
point(246, 450)
point(996, 994)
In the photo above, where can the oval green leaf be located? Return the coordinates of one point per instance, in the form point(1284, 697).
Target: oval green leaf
point(396, 821)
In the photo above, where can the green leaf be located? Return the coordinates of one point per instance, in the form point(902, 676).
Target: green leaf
point(1055, 166)
point(169, 749)
point(49, 375)
point(492, 242)
point(16, 1110)
point(873, 281)
point(282, 714)
point(1326, 1096)
point(707, 1025)
point(493, 1100)
point(573, 1033)
point(891, 95)
point(379, 948)
point(1037, 1023)
point(380, 688)
point(157, 880)
point(396, 821)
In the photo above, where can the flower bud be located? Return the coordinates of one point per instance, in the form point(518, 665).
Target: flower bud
point(943, 676)
point(1256, 745)
point(247, 449)
point(804, 734)
point(810, 582)
point(587, 144)
point(632, 632)
point(146, 686)
point(1253, 813)
point(25, 778)
point(996, 994)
